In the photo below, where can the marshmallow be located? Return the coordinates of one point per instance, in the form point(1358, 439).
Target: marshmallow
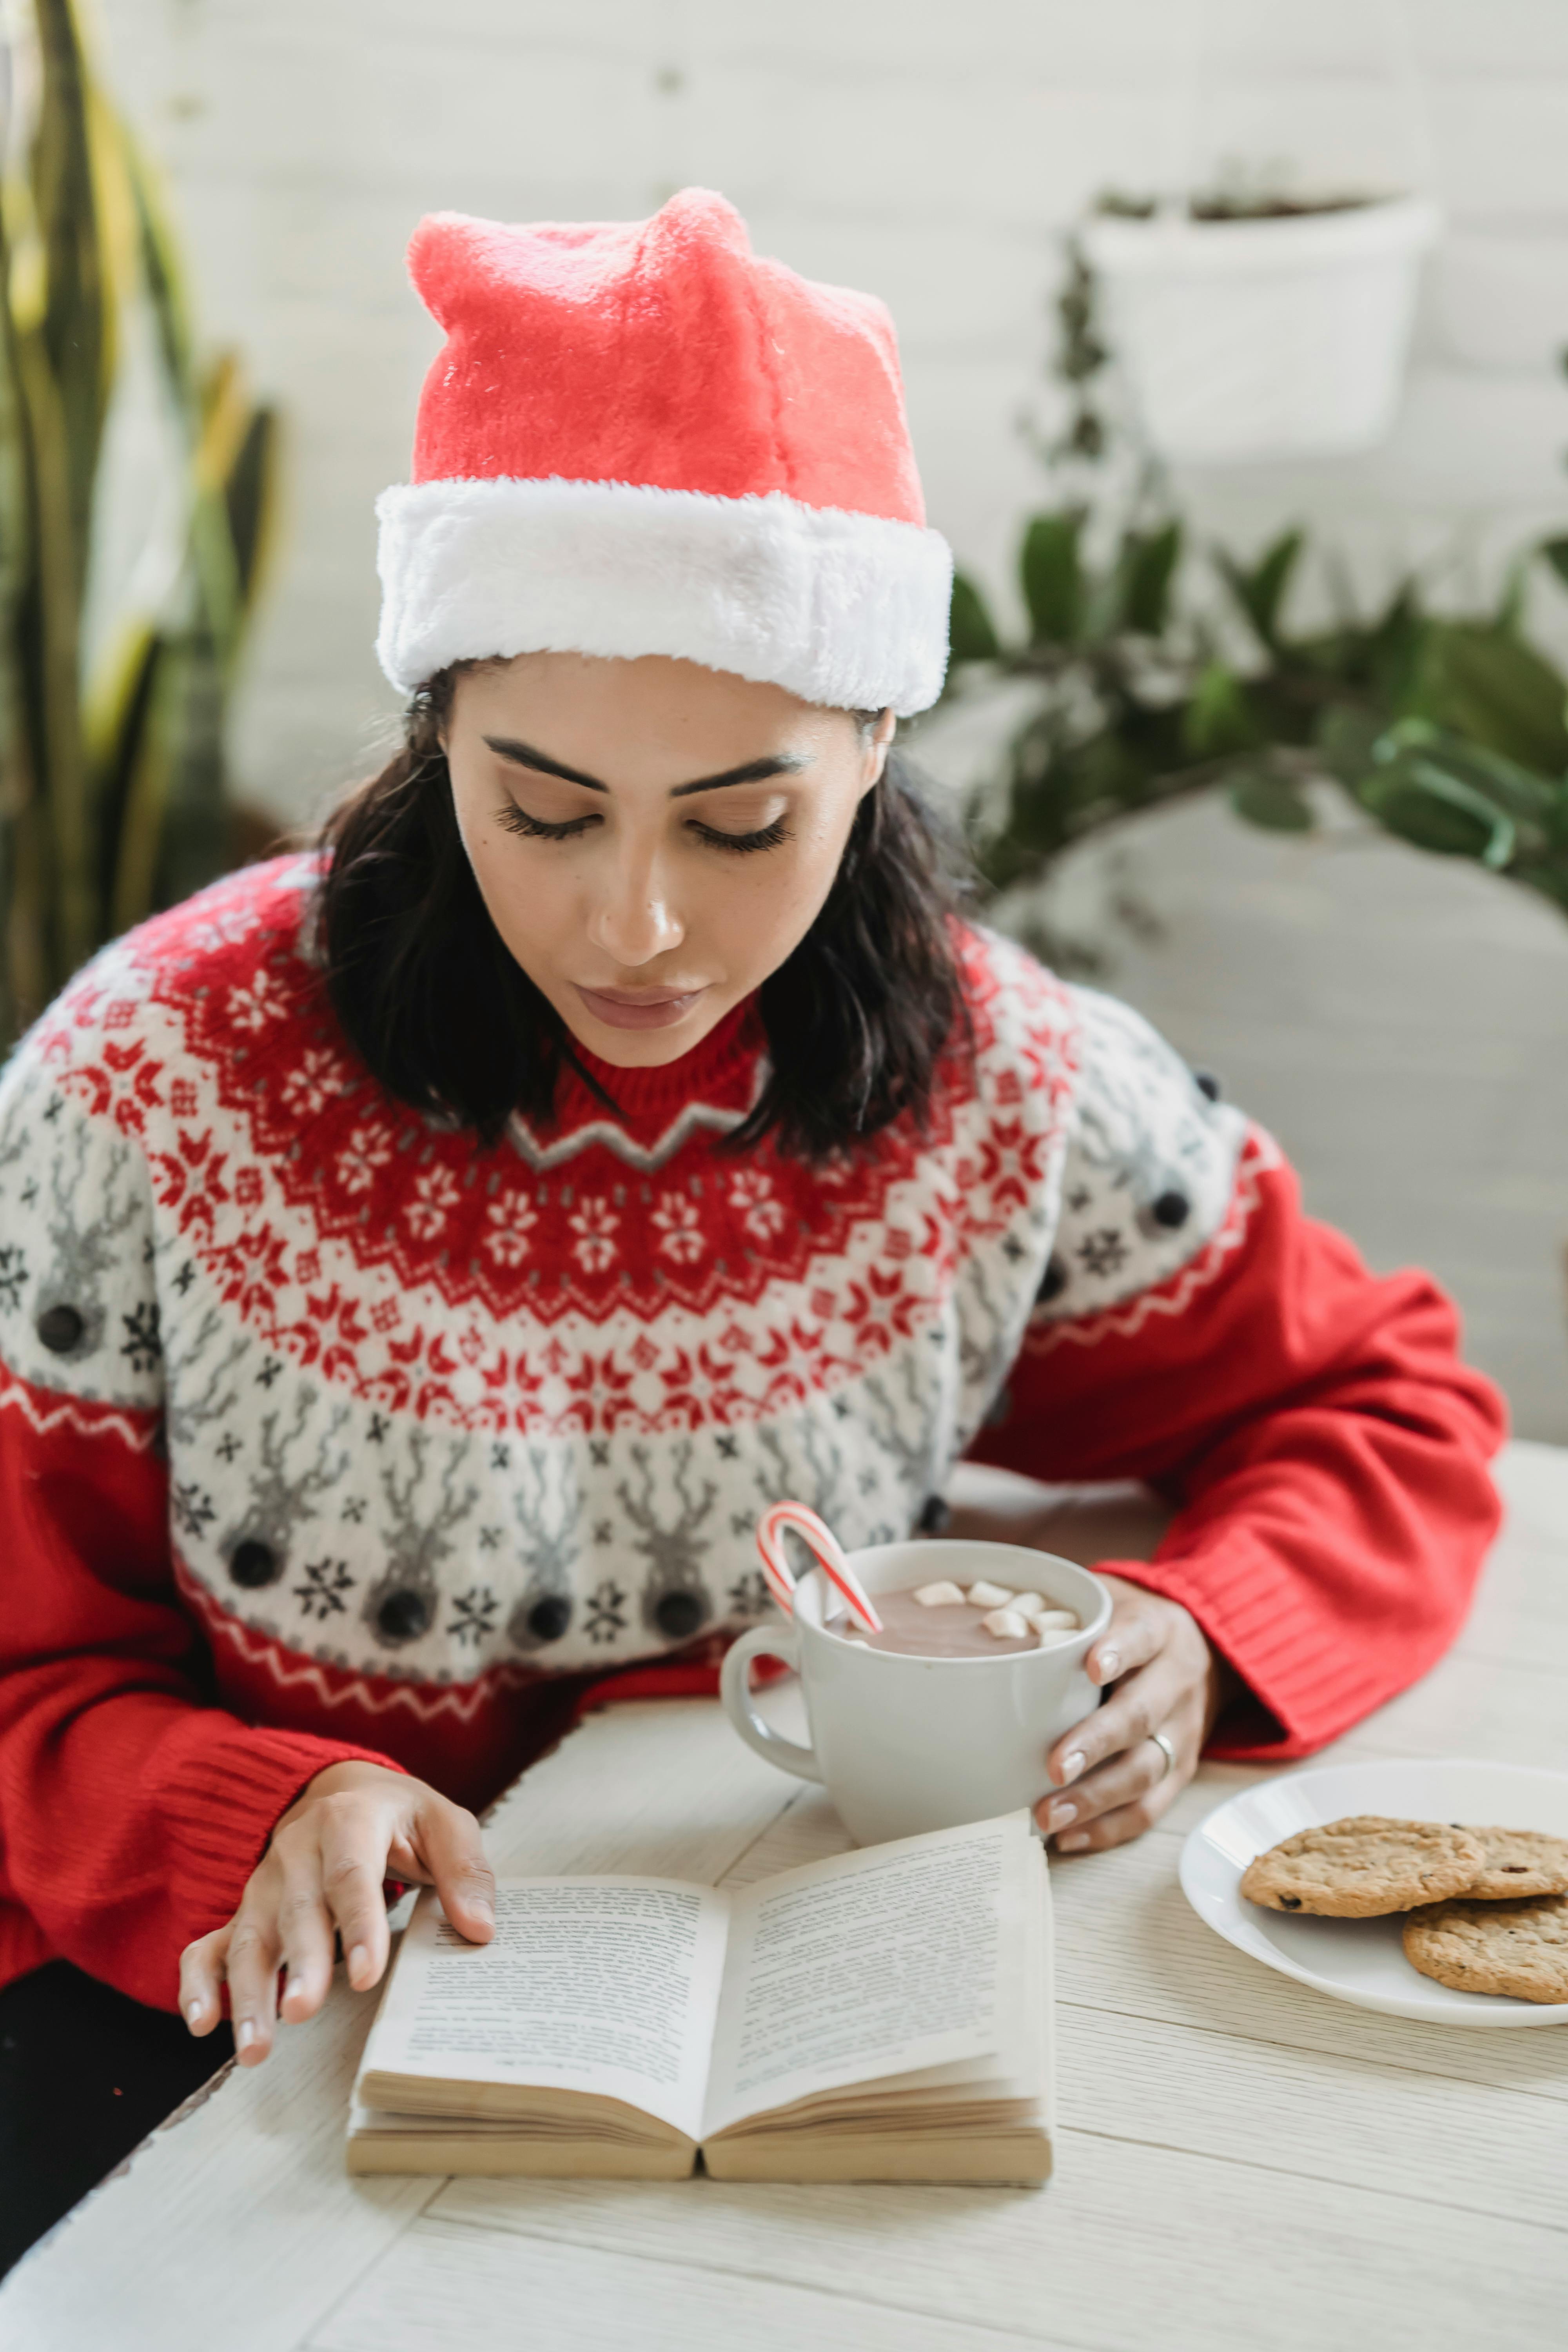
point(1042, 1619)
point(989, 1596)
point(1007, 1624)
point(1027, 1603)
point(945, 1595)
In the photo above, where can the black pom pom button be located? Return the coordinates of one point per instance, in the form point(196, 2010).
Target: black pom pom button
point(1207, 1083)
point(1053, 1282)
point(1171, 1210)
point(60, 1330)
point(934, 1515)
point(548, 1619)
point(403, 1615)
point(253, 1564)
point(678, 1614)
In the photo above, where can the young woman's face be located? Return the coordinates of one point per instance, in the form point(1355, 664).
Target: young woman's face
point(651, 839)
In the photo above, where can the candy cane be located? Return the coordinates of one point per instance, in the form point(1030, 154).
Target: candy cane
point(826, 1548)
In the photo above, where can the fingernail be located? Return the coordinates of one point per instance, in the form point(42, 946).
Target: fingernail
point(1109, 1666)
point(195, 2011)
point(1074, 1842)
point(483, 1907)
point(359, 1962)
point(1059, 1816)
point(244, 2033)
point(1071, 1767)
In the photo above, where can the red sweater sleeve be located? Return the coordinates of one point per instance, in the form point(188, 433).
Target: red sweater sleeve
point(131, 1810)
point(1325, 1448)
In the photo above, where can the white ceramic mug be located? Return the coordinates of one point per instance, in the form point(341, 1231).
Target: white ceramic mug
point(905, 1744)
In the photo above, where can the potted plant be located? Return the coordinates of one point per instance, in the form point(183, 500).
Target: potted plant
point(1258, 325)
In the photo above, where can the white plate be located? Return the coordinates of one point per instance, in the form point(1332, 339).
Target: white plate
point(1361, 1960)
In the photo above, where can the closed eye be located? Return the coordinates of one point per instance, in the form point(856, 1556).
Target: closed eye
point(768, 837)
point(534, 828)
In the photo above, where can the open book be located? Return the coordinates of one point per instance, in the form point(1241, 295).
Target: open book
point(884, 2015)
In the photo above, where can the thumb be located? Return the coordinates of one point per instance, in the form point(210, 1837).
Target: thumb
point(454, 1855)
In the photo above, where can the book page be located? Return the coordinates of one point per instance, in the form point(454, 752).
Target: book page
point(885, 1962)
point(606, 1986)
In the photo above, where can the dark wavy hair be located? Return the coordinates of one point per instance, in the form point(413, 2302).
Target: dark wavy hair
point(858, 1018)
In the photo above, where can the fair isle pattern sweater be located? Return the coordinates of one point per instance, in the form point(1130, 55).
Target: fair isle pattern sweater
point(325, 1432)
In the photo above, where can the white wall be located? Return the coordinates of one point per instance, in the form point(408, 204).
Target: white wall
point(932, 152)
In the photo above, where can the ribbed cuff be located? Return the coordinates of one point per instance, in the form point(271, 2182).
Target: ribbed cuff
point(1306, 1671)
point(223, 1806)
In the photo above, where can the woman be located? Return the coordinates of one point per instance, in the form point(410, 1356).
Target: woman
point(423, 1260)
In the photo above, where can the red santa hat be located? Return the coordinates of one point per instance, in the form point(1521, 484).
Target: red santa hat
point(639, 438)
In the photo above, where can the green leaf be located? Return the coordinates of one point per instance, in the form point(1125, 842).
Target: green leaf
point(1518, 789)
point(1497, 691)
point(1260, 592)
point(1275, 803)
point(1051, 569)
point(1346, 735)
point(1555, 551)
point(1510, 603)
point(971, 633)
point(1146, 568)
point(1218, 718)
point(1426, 805)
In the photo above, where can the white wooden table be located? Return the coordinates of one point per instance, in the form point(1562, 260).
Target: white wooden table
point(1242, 2162)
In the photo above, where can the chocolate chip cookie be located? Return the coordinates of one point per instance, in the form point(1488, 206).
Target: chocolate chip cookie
point(1364, 1867)
point(1518, 1862)
point(1510, 1947)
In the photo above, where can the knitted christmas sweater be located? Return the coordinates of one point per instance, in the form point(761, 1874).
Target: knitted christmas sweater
point(325, 1432)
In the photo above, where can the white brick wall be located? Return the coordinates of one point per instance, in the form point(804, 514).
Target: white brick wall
point(932, 153)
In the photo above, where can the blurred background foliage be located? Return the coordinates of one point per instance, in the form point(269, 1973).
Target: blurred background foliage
point(113, 787)
point(1163, 671)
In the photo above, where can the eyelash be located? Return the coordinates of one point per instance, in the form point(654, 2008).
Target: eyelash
point(532, 828)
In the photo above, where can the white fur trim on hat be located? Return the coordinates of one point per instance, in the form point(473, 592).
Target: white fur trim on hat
point(848, 610)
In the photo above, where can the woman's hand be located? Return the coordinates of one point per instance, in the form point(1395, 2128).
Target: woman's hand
point(1164, 1676)
point(322, 1875)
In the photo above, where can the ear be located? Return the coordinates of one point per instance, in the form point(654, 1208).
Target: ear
point(877, 746)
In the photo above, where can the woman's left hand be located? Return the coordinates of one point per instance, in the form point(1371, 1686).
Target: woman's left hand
point(1114, 1778)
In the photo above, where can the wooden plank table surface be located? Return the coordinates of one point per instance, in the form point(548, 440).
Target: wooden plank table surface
point(1242, 2165)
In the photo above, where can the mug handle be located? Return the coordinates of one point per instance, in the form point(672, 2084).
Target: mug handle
point(735, 1691)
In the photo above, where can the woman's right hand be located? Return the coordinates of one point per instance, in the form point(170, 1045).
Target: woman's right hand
point(352, 1827)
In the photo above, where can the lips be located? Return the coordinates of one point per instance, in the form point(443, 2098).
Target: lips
point(649, 1008)
point(638, 997)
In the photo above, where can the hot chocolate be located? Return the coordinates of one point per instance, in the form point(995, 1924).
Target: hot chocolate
point(950, 1620)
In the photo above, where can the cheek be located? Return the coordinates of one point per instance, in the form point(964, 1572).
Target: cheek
point(525, 909)
point(764, 903)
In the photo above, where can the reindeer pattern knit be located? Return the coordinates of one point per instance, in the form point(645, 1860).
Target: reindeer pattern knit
point(434, 1414)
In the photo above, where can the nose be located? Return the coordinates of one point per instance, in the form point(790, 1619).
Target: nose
point(633, 919)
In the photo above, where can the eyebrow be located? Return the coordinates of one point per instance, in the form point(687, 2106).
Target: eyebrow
point(754, 771)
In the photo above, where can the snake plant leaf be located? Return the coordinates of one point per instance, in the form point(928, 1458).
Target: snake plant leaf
point(1275, 803)
point(971, 633)
point(1261, 589)
point(1051, 571)
point(1497, 691)
point(111, 792)
point(249, 495)
point(80, 314)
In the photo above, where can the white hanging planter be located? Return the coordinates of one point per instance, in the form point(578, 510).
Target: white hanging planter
point(1247, 340)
